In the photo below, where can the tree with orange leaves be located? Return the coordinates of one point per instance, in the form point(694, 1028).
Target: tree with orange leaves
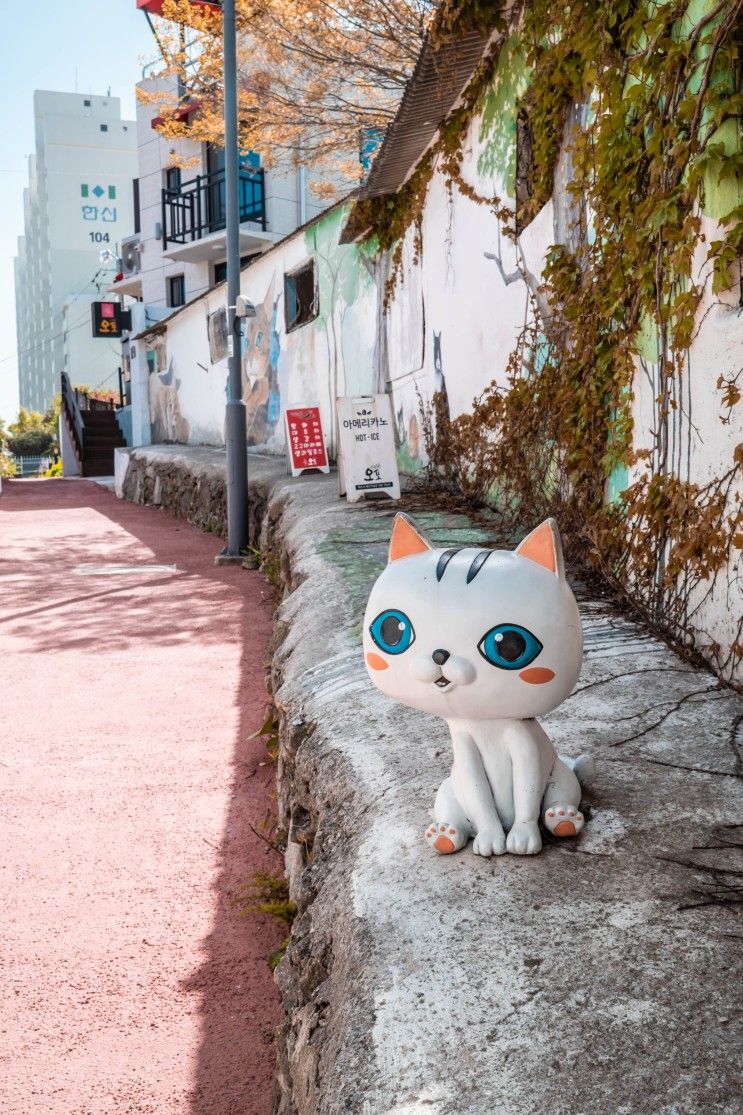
point(316, 78)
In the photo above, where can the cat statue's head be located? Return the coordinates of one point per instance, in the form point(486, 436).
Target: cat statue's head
point(474, 634)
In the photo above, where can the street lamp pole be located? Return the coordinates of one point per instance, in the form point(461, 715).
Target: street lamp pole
point(235, 420)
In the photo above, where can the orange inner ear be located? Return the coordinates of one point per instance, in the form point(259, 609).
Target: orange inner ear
point(540, 547)
point(405, 540)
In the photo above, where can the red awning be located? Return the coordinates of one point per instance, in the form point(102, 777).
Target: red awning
point(181, 113)
point(155, 7)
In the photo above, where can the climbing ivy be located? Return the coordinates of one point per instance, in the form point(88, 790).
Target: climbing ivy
point(642, 102)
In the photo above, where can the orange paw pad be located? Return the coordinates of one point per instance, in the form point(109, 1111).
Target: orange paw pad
point(444, 845)
point(565, 828)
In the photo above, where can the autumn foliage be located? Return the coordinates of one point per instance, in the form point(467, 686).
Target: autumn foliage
point(315, 77)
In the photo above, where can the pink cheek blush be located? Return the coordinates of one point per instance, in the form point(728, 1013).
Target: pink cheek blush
point(376, 662)
point(537, 675)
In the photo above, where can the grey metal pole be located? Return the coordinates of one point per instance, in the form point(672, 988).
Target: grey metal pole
point(235, 422)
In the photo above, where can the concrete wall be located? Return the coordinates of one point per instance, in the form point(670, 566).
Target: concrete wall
point(329, 356)
point(454, 320)
point(451, 324)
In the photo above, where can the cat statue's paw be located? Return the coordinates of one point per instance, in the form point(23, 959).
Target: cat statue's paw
point(524, 839)
point(489, 842)
point(444, 838)
point(563, 820)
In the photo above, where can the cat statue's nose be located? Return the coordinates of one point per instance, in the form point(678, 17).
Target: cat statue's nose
point(440, 657)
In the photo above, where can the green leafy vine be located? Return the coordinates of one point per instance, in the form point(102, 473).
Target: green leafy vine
point(643, 103)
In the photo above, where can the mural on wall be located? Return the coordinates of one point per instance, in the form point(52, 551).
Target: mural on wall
point(261, 348)
point(345, 272)
point(409, 413)
point(216, 329)
point(167, 421)
point(439, 380)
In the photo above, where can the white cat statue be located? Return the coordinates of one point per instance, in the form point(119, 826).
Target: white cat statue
point(487, 639)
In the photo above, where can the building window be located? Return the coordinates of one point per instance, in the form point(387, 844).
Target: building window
point(176, 290)
point(220, 269)
point(173, 179)
point(86, 104)
point(137, 213)
point(104, 127)
point(300, 296)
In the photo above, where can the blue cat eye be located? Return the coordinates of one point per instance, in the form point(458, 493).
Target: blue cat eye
point(509, 647)
point(392, 631)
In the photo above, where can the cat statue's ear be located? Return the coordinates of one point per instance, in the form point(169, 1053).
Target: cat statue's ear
point(543, 546)
point(406, 540)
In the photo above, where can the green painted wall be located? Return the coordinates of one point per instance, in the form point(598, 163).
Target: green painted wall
point(497, 135)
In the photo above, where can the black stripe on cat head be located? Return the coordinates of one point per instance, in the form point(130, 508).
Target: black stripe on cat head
point(477, 563)
point(444, 561)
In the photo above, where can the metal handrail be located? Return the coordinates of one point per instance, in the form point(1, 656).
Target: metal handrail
point(198, 207)
point(71, 408)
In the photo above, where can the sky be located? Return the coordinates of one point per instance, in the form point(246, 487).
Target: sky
point(79, 46)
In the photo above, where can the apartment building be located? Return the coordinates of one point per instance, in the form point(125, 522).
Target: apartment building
point(78, 201)
point(177, 245)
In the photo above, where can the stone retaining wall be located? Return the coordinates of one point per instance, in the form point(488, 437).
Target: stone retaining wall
point(584, 980)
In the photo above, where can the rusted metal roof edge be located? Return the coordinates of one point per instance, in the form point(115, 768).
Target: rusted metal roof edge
point(438, 80)
point(444, 71)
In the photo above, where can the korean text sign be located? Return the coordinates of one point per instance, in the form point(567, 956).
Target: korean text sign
point(367, 457)
point(305, 441)
point(106, 319)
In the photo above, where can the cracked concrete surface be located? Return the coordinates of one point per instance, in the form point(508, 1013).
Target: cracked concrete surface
point(601, 976)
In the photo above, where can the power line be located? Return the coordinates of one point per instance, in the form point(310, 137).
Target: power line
point(56, 336)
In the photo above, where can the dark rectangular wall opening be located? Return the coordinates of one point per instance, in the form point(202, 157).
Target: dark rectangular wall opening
point(300, 296)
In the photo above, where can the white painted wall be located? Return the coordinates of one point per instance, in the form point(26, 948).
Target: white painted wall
point(330, 355)
point(451, 323)
point(461, 296)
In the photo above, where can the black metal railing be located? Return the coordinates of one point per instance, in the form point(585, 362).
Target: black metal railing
point(74, 406)
point(72, 412)
point(198, 207)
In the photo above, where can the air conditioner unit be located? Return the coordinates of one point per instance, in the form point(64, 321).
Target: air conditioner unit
point(131, 255)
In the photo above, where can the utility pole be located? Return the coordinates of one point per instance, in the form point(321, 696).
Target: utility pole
point(235, 423)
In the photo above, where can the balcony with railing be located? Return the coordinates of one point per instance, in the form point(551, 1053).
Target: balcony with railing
point(194, 215)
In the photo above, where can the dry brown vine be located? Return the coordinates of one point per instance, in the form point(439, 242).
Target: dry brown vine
point(653, 88)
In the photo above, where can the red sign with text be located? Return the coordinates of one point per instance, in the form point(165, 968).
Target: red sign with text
point(305, 439)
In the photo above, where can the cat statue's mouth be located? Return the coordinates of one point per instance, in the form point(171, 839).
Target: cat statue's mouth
point(442, 682)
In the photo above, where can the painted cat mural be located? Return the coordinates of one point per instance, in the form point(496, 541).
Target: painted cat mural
point(261, 348)
point(168, 423)
point(488, 640)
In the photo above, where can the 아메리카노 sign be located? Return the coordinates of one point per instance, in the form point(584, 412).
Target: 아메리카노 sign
point(367, 461)
point(305, 441)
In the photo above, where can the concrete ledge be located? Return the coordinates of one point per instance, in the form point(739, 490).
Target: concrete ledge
point(594, 978)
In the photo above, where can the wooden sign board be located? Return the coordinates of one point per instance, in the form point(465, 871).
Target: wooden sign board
point(367, 462)
point(305, 441)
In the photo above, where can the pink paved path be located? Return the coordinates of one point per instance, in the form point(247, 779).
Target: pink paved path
point(128, 983)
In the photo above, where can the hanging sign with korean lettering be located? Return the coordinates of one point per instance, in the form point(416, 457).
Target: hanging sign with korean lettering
point(367, 462)
point(305, 441)
point(106, 319)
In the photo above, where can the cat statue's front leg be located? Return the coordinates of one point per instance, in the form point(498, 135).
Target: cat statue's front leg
point(532, 757)
point(465, 805)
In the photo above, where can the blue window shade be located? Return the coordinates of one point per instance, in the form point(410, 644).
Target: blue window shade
point(370, 142)
point(292, 303)
point(250, 160)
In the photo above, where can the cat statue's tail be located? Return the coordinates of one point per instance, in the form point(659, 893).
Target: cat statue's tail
point(583, 767)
